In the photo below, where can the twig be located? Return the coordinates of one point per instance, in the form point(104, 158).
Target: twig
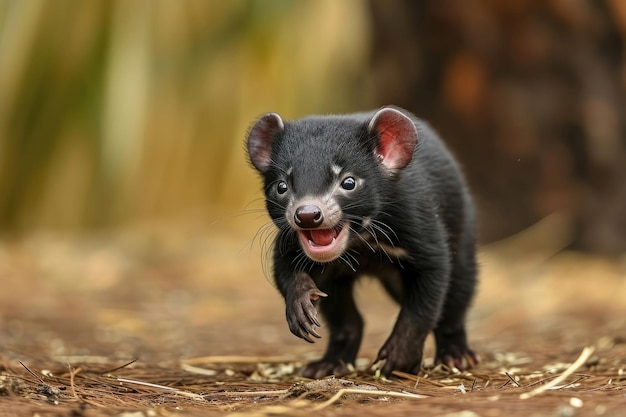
point(512, 379)
point(584, 355)
point(345, 391)
point(571, 384)
point(239, 359)
point(507, 382)
point(32, 373)
point(163, 387)
point(198, 396)
point(417, 378)
point(73, 373)
point(250, 393)
point(119, 367)
point(197, 370)
point(542, 380)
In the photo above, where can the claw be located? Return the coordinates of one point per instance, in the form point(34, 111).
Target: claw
point(322, 368)
point(311, 314)
point(316, 294)
point(315, 321)
point(464, 362)
point(303, 335)
point(312, 332)
point(308, 329)
point(381, 355)
point(472, 359)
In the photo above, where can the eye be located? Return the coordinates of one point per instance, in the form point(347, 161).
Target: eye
point(348, 183)
point(281, 187)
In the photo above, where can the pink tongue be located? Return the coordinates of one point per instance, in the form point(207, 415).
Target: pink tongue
point(322, 237)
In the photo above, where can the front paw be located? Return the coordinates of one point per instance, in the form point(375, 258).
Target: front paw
point(324, 367)
point(459, 357)
point(302, 315)
point(401, 354)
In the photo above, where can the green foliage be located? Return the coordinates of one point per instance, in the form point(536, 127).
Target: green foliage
point(117, 111)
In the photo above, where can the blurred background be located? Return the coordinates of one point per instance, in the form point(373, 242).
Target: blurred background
point(129, 214)
point(124, 112)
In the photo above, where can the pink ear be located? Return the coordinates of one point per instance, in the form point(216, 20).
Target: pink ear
point(397, 138)
point(260, 140)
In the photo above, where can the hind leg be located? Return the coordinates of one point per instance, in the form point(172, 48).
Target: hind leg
point(346, 330)
point(450, 334)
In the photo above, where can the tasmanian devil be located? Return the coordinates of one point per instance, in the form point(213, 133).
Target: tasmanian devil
point(368, 194)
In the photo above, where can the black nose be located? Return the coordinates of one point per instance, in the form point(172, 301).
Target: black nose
point(308, 217)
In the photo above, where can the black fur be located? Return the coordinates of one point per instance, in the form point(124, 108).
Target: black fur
point(420, 241)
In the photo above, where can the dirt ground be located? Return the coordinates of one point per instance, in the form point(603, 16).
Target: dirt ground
point(182, 322)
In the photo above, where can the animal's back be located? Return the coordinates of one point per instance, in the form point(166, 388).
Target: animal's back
point(446, 183)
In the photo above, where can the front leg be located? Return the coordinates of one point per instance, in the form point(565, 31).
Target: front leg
point(300, 300)
point(300, 293)
point(403, 349)
point(346, 330)
point(424, 294)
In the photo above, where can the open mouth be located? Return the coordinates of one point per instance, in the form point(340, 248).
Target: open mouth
point(324, 245)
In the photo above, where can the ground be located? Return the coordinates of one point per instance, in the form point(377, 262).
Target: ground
point(158, 321)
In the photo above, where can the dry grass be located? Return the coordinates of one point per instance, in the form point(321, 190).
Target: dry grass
point(137, 324)
point(254, 386)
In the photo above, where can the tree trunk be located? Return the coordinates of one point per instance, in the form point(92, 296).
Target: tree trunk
point(529, 95)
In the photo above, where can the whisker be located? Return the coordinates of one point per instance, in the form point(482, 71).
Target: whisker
point(386, 226)
point(298, 260)
point(353, 257)
point(376, 226)
point(362, 238)
point(344, 258)
point(383, 250)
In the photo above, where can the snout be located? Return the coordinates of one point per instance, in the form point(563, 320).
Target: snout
point(323, 235)
point(309, 216)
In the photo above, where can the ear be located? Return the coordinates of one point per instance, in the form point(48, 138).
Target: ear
point(397, 138)
point(260, 139)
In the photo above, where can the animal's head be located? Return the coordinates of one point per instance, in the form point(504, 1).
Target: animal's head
point(323, 174)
